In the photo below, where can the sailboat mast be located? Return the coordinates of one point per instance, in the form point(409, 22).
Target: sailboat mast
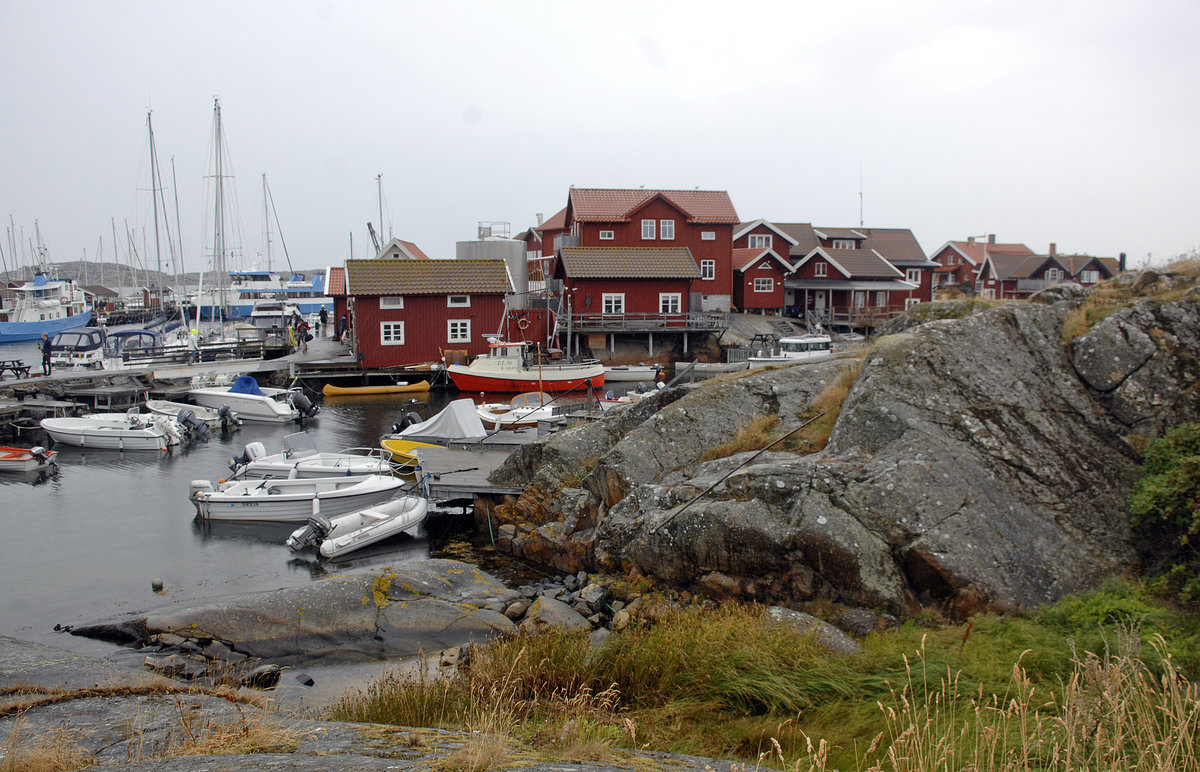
point(219, 208)
point(266, 223)
point(154, 197)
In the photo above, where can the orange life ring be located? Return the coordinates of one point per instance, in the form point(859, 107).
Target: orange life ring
point(523, 324)
point(64, 300)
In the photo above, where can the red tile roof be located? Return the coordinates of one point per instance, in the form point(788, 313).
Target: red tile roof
point(336, 281)
point(385, 276)
point(629, 263)
point(557, 222)
point(975, 250)
point(617, 204)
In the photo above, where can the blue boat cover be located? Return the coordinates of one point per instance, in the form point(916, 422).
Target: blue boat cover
point(245, 384)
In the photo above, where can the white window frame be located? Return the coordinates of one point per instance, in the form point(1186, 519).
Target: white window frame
point(464, 336)
point(881, 298)
point(666, 230)
point(648, 227)
point(1054, 274)
point(708, 235)
point(764, 284)
point(613, 302)
point(670, 302)
point(860, 298)
point(607, 235)
point(1089, 277)
point(820, 269)
point(387, 334)
point(910, 302)
point(391, 301)
point(913, 275)
point(845, 244)
point(464, 301)
point(760, 241)
point(708, 270)
point(989, 294)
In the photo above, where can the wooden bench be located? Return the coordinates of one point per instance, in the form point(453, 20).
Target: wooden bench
point(15, 366)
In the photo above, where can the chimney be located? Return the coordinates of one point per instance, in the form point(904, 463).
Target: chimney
point(991, 238)
point(1053, 249)
point(539, 216)
point(1121, 262)
point(970, 239)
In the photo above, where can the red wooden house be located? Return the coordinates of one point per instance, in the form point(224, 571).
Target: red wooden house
point(959, 262)
point(661, 221)
point(1014, 277)
point(410, 311)
point(900, 248)
point(758, 280)
point(848, 287)
point(335, 287)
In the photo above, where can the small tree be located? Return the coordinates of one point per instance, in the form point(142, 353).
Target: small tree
point(1165, 509)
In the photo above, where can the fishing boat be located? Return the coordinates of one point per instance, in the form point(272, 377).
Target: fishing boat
point(44, 305)
point(329, 390)
point(290, 501)
point(253, 402)
point(26, 459)
point(300, 458)
point(337, 536)
point(517, 366)
point(114, 431)
point(522, 410)
point(795, 348)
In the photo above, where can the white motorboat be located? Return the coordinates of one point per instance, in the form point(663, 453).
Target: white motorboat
point(27, 459)
point(639, 393)
point(115, 431)
point(516, 366)
point(256, 403)
point(337, 536)
point(300, 458)
point(795, 348)
point(291, 500)
point(522, 410)
point(630, 373)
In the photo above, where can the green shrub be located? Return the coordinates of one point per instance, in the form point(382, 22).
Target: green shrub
point(1165, 512)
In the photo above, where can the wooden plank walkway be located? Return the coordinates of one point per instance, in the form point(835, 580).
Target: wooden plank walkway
point(455, 473)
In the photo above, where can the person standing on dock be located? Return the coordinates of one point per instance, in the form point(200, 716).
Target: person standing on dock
point(47, 348)
point(323, 323)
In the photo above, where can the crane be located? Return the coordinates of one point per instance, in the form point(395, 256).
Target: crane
point(374, 238)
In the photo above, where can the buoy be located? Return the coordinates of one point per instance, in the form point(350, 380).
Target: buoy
point(156, 585)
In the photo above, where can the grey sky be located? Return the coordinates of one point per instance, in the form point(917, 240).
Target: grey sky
point(1071, 122)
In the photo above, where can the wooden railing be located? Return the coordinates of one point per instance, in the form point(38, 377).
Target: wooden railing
point(691, 322)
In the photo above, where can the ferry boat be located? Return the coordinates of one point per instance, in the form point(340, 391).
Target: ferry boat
point(795, 348)
point(46, 304)
point(513, 366)
point(247, 287)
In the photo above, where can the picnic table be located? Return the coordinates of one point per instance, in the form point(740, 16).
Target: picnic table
point(15, 366)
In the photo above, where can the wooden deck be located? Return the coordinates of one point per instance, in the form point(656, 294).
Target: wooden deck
point(455, 473)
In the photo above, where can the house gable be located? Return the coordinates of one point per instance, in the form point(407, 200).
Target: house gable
point(744, 229)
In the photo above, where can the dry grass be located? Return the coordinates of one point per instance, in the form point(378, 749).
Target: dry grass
point(815, 436)
point(197, 734)
point(755, 436)
point(56, 751)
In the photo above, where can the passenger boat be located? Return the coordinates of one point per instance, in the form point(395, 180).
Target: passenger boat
point(522, 410)
point(336, 536)
point(290, 501)
point(300, 458)
point(329, 390)
point(516, 366)
point(245, 289)
point(256, 403)
point(795, 348)
point(114, 431)
point(44, 305)
point(26, 459)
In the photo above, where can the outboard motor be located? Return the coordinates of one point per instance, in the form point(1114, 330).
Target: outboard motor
point(42, 455)
point(313, 534)
point(251, 452)
point(303, 405)
point(229, 419)
point(641, 388)
point(196, 429)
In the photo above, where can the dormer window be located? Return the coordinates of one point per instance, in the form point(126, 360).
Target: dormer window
point(760, 240)
point(648, 228)
point(666, 230)
point(845, 244)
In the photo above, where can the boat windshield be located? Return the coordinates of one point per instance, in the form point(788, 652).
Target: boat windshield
point(299, 445)
point(801, 346)
point(530, 399)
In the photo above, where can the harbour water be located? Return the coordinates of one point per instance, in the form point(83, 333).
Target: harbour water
point(86, 544)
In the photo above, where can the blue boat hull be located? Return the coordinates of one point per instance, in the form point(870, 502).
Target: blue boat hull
point(13, 332)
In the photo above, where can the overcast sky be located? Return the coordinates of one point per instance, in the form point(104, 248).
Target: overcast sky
point(1067, 122)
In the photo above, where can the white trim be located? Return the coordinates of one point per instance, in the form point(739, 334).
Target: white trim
point(760, 221)
point(909, 273)
point(607, 235)
point(712, 274)
point(618, 297)
point(451, 304)
point(708, 235)
point(662, 230)
point(384, 335)
point(391, 301)
point(768, 253)
point(765, 241)
point(769, 283)
point(649, 226)
point(676, 297)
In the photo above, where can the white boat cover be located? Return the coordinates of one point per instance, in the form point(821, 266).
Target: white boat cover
point(457, 421)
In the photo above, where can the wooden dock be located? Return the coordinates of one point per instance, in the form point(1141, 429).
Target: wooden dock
point(454, 474)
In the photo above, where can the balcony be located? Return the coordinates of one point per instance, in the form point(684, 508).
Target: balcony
point(692, 322)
